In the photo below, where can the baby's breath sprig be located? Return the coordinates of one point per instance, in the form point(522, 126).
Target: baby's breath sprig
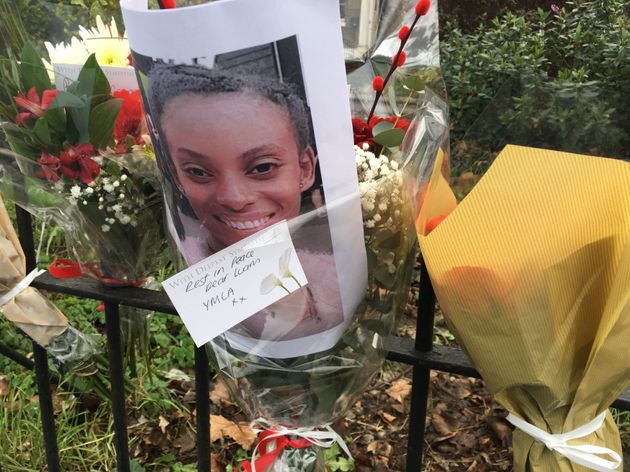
point(379, 83)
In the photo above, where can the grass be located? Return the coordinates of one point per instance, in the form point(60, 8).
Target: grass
point(85, 440)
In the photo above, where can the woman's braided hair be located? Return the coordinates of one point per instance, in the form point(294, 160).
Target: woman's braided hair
point(169, 81)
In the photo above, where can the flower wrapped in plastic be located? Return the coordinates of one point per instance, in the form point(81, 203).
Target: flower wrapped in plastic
point(78, 153)
point(531, 271)
point(31, 311)
point(297, 267)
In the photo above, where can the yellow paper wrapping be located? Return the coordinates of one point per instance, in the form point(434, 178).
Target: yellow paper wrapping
point(532, 271)
point(31, 311)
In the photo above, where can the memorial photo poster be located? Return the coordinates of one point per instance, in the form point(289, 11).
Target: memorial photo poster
point(248, 108)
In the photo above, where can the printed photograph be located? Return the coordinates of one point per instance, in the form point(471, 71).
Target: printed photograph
point(237, 154)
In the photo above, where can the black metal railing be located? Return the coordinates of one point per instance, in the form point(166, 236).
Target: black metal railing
point(420, 353)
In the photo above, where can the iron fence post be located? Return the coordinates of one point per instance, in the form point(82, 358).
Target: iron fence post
point(116, 376)
point(421, 374)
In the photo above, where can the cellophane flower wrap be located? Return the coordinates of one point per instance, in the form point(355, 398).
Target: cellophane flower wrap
point(74, 352)
point(318, 389)
point(294, 396)
point(77, 152)
point(531, 271)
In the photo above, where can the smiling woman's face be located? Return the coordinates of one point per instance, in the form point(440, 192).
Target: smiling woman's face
point(237, 161)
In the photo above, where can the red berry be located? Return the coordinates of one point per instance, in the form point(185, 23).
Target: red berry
point(400, 58)
point(378, 83)
point(403, 33)
point(422, 7)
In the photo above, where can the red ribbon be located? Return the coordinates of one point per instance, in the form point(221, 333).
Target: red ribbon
point(267, 458)
point(67, 269)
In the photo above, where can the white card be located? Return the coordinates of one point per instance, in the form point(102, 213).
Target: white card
point(119, 78)
point(228, 287)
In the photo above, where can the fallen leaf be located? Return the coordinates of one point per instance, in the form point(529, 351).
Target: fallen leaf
point(400, 389)
point(163, 424)
point(387, 417)
point(501, 430)
point(221, 427)
point(185, 442)
point(440, 425)
point(215, 465)
point(372, 447)
point(4, 386)
point(220, 394)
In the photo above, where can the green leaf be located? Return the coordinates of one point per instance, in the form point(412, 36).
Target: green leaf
point(33, 72)
point(91, 82)
point(102, 119)
point(390, 138)
point(42, 132)
point(381, 127)
point(66, 100)
point(56, 119)
point(414, 83)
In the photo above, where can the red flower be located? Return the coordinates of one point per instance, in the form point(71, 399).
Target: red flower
point(35, 108)
point(130, 119)
point(433, 223)
point(362, 133)
point(422, 7)
point(378, 83)
point(50, 166)
point(399, 59)
point(403, 33)
point(76, 162)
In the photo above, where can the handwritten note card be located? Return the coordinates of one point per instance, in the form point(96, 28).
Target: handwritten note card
point(228, 287)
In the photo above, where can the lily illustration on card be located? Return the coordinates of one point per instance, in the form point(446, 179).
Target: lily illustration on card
point(272, 281)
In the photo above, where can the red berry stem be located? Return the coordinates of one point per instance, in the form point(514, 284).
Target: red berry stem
point(393, 67)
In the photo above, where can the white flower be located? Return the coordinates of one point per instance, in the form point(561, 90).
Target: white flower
point(377, 218)
point(116, 183)
point(62, 53)
point(75, 191)
point(269, 283)
point(89, 190)
point(284, 264)
point(123, 177)
point(121, 196)
point(116, 208)
point(110, 48)
point(393, 165)
point(125, 220)
point(369, 224)
point(108, 188)
point(105, 228)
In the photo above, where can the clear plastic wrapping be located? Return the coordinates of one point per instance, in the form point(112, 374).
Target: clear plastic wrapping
point(75, 148)
point(248, 138)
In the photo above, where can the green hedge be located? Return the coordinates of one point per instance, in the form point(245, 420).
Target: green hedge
point(546, 79)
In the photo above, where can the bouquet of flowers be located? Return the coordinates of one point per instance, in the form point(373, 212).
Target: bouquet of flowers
point(79, 154)
point(72, 351)
point(297, 365)
point(531, 271)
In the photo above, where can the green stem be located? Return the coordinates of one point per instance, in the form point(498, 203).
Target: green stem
point(286, 289)
point(296, 281)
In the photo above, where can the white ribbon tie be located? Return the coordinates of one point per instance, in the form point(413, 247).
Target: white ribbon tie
point(315, 436)
point(21, 285)
point(583, 454)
